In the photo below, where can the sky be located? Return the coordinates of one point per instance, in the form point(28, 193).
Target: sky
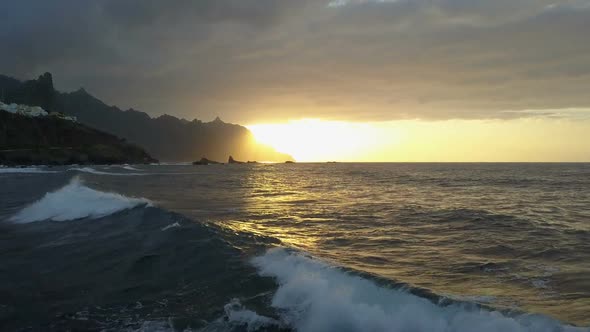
point(512, 75)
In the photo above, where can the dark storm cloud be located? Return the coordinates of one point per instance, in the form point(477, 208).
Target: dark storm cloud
point(260, 12)
point(37, 32)
point(251, 60)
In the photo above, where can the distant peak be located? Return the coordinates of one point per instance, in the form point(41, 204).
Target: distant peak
point(83, 93)
point(217, 120)
point(167, 117)
point(46, 77)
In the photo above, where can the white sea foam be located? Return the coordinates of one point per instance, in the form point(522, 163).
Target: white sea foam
point(11, 170)
point(97, 172)
point(130, 168)
point(76, 201)
point(174, 225)
point(236, 315)
point(314, 296)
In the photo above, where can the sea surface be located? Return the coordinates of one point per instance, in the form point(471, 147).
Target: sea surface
point(296, 247)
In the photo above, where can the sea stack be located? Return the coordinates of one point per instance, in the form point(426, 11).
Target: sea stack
point(231, 160)
point(205, 161)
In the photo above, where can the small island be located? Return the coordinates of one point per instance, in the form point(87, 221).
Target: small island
point(205, 161)
point(231, 160)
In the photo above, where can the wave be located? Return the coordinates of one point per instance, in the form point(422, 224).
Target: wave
point(236, 316)
point(76, 201)
point(236, 313)
point(96, 172)
point(314, 296)
point(122, 166)
point(130, 168)
point(174, 225)
point(31, 170)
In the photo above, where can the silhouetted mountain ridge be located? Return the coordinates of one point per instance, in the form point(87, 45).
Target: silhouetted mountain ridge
point(165, 137)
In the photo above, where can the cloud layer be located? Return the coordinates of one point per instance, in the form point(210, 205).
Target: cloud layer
point(262, 60)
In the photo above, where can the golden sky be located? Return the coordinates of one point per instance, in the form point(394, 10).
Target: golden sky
point(516, 140)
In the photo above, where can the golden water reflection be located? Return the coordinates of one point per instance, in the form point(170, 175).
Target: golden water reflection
point(393, 222)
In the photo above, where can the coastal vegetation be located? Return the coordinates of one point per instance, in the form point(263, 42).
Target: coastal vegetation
point(51, 140)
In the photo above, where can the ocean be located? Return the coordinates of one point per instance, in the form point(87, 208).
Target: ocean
point(296, 247)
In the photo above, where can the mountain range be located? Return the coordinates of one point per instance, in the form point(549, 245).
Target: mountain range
point(166, 137)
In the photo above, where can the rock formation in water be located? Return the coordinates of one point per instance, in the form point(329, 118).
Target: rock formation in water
point(205, 161)
point(231, 160)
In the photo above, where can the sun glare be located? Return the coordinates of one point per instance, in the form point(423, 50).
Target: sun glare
point(311, 140)
point(317, 140)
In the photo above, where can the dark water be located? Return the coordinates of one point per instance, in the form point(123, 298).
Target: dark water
point(306, 247)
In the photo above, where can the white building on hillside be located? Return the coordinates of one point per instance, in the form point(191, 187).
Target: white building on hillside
point(32, 111)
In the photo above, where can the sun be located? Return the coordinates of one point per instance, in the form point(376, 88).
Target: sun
point(310, 140)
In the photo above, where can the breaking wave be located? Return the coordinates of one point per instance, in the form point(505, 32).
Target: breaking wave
point(314, 296)
point(76, 201)
point(130, 168)
point(236, 317)
point(91, 170)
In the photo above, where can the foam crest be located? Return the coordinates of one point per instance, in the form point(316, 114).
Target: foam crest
point(314, 296)
point(237, 317)
point(76, 201)
point(130, 168)
point(91, 170)
point(237, 314)
point(173, 225)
